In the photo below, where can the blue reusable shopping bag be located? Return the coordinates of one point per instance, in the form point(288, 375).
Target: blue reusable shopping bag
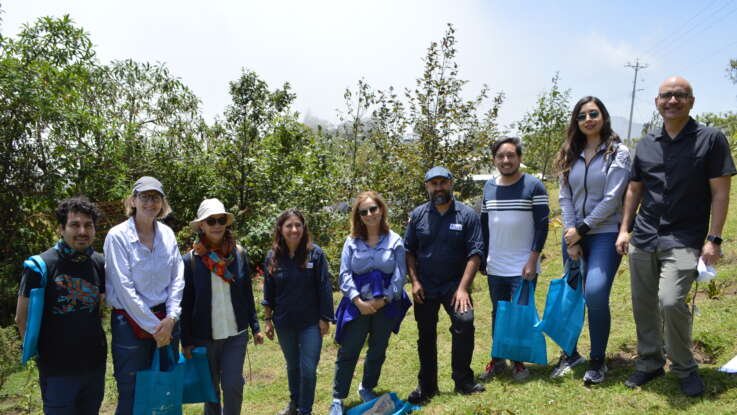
point(401, 406)
point(564, 308)
point(159, 392)
point(35, 309)
point(198, 385)
point(515, 336)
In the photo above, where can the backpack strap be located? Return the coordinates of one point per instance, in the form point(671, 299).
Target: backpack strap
point(37, 264)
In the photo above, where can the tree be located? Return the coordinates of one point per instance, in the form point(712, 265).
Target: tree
point(732, 70)
point(543, 129)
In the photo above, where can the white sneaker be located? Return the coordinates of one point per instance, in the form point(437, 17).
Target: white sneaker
point(566, 365)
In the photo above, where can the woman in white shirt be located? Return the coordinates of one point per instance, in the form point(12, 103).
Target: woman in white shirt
point(144, 283)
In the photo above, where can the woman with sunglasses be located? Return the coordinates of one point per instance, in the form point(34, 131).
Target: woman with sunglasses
point(298, 304)
point(218, 306)
point(144, 283)
point(372, 275)
point(594, 171)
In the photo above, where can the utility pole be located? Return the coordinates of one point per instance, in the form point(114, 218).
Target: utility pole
point(637, 66)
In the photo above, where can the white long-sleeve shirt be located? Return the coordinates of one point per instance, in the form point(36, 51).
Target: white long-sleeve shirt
point(137, 279)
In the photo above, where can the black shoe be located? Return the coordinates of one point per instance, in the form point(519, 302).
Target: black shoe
point(420, 396)
point(692, 385)
point(470, 388)
point(291, 409)
point(639, 378)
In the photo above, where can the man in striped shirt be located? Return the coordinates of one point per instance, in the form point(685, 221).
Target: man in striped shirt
point(514, 222)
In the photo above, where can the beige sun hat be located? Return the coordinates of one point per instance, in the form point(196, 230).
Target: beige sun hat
point(210, 207)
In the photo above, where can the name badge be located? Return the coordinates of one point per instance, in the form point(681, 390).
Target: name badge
point(309, 265)
point(456, 226)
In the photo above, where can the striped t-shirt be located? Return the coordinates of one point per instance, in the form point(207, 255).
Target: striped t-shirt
point(514, 219)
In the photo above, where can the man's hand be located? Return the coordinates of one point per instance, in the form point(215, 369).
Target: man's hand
point(711, 253)
point(258, 338)
point(529, 271)
point(571, 236)
point(574, 252)
point(364, 307)
point(418, 293)
point(324, 327)
point(623, 242)
point(269, 329)
point(461, 301)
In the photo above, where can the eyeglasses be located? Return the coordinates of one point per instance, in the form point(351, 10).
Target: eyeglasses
point(364, 212)
point(222, 220)
point(593, 114)
point(150, 197)
point(679, 96)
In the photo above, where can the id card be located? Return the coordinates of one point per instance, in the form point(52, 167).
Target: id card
point(456, 226)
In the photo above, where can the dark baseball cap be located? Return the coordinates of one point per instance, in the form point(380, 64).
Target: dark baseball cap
point(438, 171)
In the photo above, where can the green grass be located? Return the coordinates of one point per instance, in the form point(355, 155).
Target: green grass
point(715, 330)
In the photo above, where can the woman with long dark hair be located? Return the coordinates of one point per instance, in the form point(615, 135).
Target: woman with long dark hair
point(218, 306)
point(594, 171)
point(372, 275)
point(298, 305)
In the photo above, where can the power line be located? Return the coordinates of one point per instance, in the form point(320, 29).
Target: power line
point(637, 66)
point(673, 33)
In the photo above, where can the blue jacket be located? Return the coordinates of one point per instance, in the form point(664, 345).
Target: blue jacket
point(197, 299)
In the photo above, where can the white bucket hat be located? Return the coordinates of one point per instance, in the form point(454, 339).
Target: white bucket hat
point(210, 207)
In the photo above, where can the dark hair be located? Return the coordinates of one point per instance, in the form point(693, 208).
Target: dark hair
point(78, 204)
point(512, 140)
point(279, 246)
point(358, 229)
point(576, 140)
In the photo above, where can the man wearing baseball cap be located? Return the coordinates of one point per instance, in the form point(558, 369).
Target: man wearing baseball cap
point(444, 246)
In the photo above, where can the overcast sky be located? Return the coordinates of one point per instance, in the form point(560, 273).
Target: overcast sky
point(322, 47)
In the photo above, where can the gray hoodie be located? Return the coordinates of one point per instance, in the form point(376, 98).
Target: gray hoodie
point(592, 197)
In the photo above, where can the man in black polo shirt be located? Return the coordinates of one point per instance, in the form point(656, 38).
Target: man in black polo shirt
point(444, 247)
point(680, 179)
point(71, 345)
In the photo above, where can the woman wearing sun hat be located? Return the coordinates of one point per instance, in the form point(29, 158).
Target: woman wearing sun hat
point(144, 283)
point(218, 306)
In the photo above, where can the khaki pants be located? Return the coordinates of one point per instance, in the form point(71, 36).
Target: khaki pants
point(660, 283)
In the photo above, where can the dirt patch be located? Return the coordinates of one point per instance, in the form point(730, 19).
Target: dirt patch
point(628, 353)
point(700, 354)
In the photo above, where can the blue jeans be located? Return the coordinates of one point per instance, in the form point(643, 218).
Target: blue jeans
point(131, 355)
point(301, 348)
point(600, 264)
point(378, 328)
point(226, 359)
point(73, 394)
point(501, 289)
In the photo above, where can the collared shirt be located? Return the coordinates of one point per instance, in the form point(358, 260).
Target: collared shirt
point(442, 245)
point(359, 258)
point(676, 202)
point(137, 279)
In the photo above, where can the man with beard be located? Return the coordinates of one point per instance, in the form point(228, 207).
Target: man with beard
point(514, 222)
point(443, 245)
point(681, 174)
point(72, 348)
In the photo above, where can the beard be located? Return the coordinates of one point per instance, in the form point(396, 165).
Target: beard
point(441, 197)
point(508, 172)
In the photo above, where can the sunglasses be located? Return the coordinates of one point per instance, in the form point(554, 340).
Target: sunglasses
point(150, 197)
point(593, 114)
point(365, 212)
point(222, 220)
point(679, 96)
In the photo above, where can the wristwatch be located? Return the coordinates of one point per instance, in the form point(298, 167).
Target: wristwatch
point(714, 239)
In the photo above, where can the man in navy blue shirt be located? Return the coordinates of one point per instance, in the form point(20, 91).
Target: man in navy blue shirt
point(444, 248)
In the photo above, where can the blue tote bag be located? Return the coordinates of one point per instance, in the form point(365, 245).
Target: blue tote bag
point(35, 309)
point(564, 308)
point(400, 407)
point(515, 336)
point(198, 385)
point(159, 392)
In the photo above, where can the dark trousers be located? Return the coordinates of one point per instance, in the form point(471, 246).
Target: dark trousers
point(79, 394)
point(226, 357)
point(462, 332)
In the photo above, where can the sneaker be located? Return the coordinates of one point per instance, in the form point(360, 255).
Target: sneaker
point(493, 368)
point(566, 364)
point(692, 385)
point(336, 408)
point(520, 372)
point(639, 378)
point(420, 396)
point(470, 388)
point(366, 394)
point(291, 409)
point(595, 376)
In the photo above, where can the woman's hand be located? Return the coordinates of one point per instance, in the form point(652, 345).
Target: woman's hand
point(324, 327)
point(258, 338)
point(574, 252)
point(571, 236)
point(187, 351)
point(269, 329)
point(378, 303)
point(366, 308)
point(162, 334)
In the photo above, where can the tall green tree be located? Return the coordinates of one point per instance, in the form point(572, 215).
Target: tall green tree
point(543, 129)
